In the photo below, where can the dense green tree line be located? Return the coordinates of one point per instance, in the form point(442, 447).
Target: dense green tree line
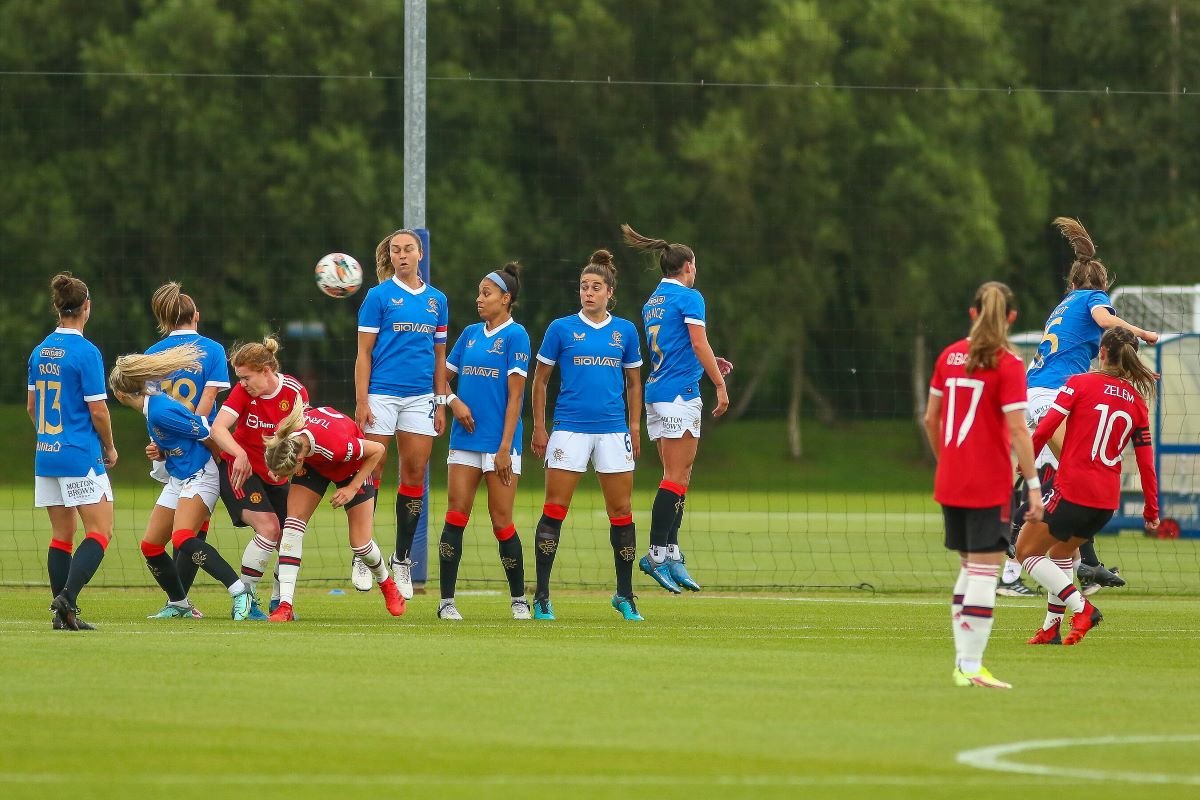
point(848, 171)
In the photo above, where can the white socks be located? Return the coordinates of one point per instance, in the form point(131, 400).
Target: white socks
point(255, 559)
point(974, 626)
point(372, 556)
point(291, 548)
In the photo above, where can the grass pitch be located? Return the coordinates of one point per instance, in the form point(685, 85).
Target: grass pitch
point(830, 696)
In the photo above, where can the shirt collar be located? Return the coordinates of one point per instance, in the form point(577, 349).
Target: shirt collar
point(182, 332)
point(497, 329)
point(396, 280)
point(595, 325)
point(672, 280)
point(70, 331)
point(278, 389)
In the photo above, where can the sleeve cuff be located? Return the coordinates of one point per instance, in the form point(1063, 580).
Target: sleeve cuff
point(518, 371)
point(545, 360)
point(1019, 406)
point(91, 398)
point(632, 364)
point(228, 410)
point(936, 392)
point(693, 321)
point(451, 367)
point(366, 329)
point(1060, 409)
point(218, 384)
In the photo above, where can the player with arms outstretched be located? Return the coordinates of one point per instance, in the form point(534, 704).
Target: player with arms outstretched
point(597, 420)
point(975, 419)
point(1106, 409)
point(1070, 342)
point(401, 359)
point(74, 447)
point(491, 360)
point(677, 336)
point(314, 448)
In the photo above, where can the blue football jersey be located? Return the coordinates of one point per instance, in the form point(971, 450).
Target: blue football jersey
point(592, 360)
point(674, 369)
point(1071, 340)
point(66, 372)
point(178, 432)
point(407, 323)
point(185, 385)
point(483, 361)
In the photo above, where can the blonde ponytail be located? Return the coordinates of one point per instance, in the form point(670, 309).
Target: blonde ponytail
point(989, 331)
point(281, 450)
point(132, 372)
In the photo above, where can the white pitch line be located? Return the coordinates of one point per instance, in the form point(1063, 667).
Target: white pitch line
point(995, 758)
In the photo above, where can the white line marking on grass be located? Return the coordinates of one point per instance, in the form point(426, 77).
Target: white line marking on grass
point(995, 758)
point(846, 600)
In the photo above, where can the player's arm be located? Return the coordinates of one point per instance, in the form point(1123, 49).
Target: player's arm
point(240, 470)
point(541, 380)
point(633, 407)
point(208, 399)
point(439, 380)
point(933, 422)
point(102, 422)
point(223, 438)
point(29, 408)
point(512, 413)
point(1055, 416)
point(1022, 446)
point(1106, 319)
point(362, 379)
point(373, 454)
point(704, 352)
point(1144, 453)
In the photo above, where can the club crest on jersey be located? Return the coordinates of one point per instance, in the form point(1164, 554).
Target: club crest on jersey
point(284, 405)
point(497, 348)
point(616, 340)
point(580, 335)
point(432, 306)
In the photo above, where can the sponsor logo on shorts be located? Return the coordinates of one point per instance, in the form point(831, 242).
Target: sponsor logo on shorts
point(672, 424)
point(256, 497)
point(78, 490)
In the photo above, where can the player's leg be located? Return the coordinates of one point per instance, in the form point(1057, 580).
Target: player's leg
point(361, 577)
point(678, 456)
point(58, 554)
point(302, 501)
point(1033, 548)
point(360, 517)
point(1085, 618)
point(574, 450)
point(97, 518)
point(463, 475)
point(501, 499)
point(414, 449)
point(622, 535)
point(986, 543)
point(162, 566)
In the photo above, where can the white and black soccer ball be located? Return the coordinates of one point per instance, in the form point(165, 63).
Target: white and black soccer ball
point(338, 275)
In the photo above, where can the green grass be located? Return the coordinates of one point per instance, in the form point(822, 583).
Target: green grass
point(832, 697)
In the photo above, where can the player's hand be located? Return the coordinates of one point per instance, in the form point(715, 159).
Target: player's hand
point(1149, 337)
point(724, 366)
point(439, 420)
point(344, 495)
point(1152, 524)
point(1036, 508)
point(722, 401)
point(110, 457)
point(504, 467)
point(363, 416)
point(462, 413)
point(153, 453)
point(239, 471)
point(539, 441)
point(635, 440)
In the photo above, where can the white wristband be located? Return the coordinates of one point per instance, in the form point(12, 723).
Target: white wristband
point(1033, 483)
point(445, 399)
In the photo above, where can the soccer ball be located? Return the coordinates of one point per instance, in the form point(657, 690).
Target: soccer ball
point(338, 275)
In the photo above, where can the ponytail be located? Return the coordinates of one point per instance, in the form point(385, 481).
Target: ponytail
point(1086, 270)
point(989, 331)
point(132, 372)
point(1121, 347)
point(671, 257)
point(281, 450)
point(257, 356)
point(172, 308)
point(602, 265)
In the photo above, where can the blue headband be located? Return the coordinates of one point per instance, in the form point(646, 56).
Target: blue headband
point(495, 278)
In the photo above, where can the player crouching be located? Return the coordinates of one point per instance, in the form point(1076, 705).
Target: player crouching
point(315, 447)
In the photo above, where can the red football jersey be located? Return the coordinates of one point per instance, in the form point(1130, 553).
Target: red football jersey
point(257, 417)
point(974, 466)
point(335, 443)
point(1105, 412)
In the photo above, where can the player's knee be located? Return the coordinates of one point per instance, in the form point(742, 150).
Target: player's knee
point(150, 549)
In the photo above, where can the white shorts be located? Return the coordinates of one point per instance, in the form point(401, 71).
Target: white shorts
point(481, 461)
point(71, 492)
point(1039, 401)
point(672, 420)
point(607, 452)
point(409, 414)
point(205, 484)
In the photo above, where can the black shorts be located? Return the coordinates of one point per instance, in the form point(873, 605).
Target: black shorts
point(977, 530)
point(318, 483)
point(254, 496)
point(1068, 520)
point(1047, 492)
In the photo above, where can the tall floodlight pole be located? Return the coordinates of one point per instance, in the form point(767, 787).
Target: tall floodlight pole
point(414, 201)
